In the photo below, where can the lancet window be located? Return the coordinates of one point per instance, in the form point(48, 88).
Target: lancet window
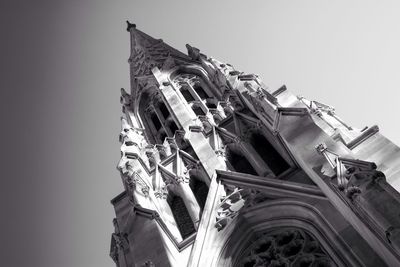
point(157, 120)
point(200, 190)
point(196, 93)
point(181, 215)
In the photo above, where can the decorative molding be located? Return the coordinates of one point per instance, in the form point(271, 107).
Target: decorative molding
point(228, 208)
point(274, 187)
point(349, 171)
point(279, 90)
point(261, 93)
point(329, 155)
point(319, 109)
point(363, 137)
point(132, 178)
point(125, 98)
point(221, 152)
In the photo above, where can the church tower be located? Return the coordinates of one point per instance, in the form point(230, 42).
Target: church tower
point(220, 170)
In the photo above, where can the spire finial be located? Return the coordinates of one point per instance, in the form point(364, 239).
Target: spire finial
point(130, 25)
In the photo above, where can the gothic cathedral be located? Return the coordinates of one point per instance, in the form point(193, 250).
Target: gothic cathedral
point(220, 170)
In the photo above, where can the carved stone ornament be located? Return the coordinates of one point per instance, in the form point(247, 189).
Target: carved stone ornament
point(235, 140)
point(183, 179)
point(135, 178)
point(193, 52)
point(125, 98)
point(221, 152)
point(229, 208)
point(180, 139)
point(351, 173)
point(317, 107)
point(114, 250)
point(285, 247)
point(236, 200)
point(205, 124)
point(119, 242)
point(260, 93)
point(131, 136)
point(148, 263)
point(161, 193)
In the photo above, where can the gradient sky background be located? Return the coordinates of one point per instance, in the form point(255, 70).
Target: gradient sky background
point(63, 63)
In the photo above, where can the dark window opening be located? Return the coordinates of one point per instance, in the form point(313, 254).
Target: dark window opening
point(173, 127)
point(181, 215)
point(211, 105)
point(156, 121)
point(164, 110)
point(200, 91)
point(200, 191)
point(198, 111)
point(268, 153)
point(163, 135)
point(187, 95)
point(241, 164)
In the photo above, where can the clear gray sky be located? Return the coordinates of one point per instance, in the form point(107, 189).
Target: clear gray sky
point(63, 63)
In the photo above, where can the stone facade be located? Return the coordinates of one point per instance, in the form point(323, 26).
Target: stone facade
point(220, 170)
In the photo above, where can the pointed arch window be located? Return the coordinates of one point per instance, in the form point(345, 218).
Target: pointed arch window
point(196, 93)
point(156, 118)
point(181, 215)
point(200, 190)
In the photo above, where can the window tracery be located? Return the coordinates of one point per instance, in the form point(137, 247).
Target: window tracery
point(157, 119)
point(181, 215)
point(285, 247)
point(196, 93)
